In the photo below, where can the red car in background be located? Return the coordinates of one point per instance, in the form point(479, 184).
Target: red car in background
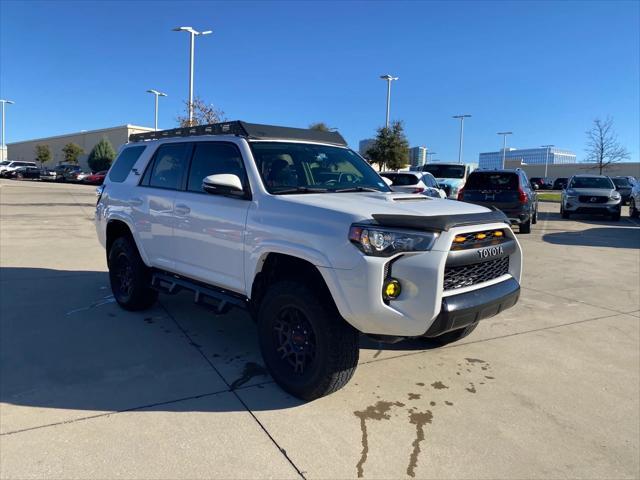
point(95, 178)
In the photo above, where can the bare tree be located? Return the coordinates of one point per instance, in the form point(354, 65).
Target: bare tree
point(603, 147)
point(203, 114)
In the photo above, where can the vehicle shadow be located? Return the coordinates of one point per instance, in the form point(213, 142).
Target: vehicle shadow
point(65, 344)
point(615, 237)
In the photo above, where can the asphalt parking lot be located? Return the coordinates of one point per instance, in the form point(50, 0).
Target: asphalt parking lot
point(548, 389)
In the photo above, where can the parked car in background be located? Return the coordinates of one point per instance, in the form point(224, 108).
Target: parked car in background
point(591, 194)
point(24, 172)
point(3, 164)
point(451, 177)
point(95, 178)
point(623, 186)
point(64, 172)
point(634, 201)
point(507, 190)
point(414, 182)
point(560, 183)
point(80, 177)
point(13, 165)
point(541, 183)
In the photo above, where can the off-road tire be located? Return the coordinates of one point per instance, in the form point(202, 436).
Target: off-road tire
point(525, 227)
point(336, 343)
point(455, 335)
point(616, 216)
point(130, 278)
point(563, 213)
point(633, 209)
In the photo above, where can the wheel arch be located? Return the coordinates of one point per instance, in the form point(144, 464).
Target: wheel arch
point(117, 228)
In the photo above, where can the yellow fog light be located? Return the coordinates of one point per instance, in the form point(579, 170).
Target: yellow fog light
point(498, 233)
point(460, 239)
point(481, 236)
point(391, 289)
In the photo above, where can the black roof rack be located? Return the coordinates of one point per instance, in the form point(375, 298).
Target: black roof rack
point(243, 129)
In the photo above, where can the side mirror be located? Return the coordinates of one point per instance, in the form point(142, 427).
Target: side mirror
point(387, 181)
point(223, 184)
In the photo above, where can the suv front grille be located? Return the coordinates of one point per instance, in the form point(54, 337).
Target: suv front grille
point(590, 199)
point(478, 239)
point(468, 275)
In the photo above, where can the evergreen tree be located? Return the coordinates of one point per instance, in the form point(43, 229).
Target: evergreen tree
point(391, 148)
point(101, 156)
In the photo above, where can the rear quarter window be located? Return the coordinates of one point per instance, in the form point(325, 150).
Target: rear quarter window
point(400, 179)
point(124, 163)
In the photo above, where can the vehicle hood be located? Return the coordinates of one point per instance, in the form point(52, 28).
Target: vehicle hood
point(594, 191)
point(362, 205)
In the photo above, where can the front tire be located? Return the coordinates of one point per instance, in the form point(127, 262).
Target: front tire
point(616, 216)
point(563, 213)
point(130, 278)
point(309, 350)
point(525, 227)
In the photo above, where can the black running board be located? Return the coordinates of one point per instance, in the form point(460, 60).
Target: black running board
point(214, 298)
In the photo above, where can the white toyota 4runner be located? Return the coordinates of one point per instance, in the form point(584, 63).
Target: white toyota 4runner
point(297, 228)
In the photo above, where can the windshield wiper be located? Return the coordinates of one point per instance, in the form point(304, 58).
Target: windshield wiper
point(301, 190)
point(356, 189)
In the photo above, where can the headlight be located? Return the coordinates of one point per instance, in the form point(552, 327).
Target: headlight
point(614, 196)
point(572, 193)
point(384, 242)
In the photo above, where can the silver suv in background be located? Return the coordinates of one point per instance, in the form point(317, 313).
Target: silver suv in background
point(591, 194)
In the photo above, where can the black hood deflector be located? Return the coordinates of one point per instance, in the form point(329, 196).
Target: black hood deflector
point(440, 223)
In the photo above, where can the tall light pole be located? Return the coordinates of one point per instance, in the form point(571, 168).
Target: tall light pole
point(461, 117)
point(156, 94)
point(389, 79)
point(432, 154)
point(192, 43)
point(546, 162)
point(4, 146)
point(504, 145)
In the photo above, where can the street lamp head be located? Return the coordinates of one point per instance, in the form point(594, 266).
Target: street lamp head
point(388, 77)
point(465, 115)
point(10, 102)
point(504, 133)
point(156, 92)
point(206, 32)
point(183, 29)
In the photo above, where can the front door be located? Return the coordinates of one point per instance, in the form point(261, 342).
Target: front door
point(209, 229)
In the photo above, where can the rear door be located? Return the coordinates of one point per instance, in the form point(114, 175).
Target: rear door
point(152, 203)
point(493, 189)
point(209, 228)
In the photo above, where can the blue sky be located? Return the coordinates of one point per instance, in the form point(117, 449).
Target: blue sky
point(542, 69)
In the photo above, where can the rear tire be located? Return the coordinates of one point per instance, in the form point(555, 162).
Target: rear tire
point(309, 350)
point(563, 213)
point(130, 278)
point(455, 335)
point(534, 219)
point(525, 227)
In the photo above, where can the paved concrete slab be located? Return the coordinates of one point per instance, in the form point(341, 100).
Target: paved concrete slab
point(548, 389)
point(207, 437)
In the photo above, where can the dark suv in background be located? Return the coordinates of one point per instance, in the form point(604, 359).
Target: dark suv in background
point(507, 190)
point(541, 183)
point(623, 186)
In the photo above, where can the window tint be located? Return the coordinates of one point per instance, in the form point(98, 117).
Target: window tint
point(169, 165)
point(429, 181)
point(213, 159)
point(124, 163)
point(400, 179)
point(492, 181)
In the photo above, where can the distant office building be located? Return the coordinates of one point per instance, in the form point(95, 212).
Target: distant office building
point(529, 156)
point(417, 156)
point(365, 145)
point(87, 139)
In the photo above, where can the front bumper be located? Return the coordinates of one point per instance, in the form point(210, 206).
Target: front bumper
point(573, 205)
point(459, 311)
point(357, 291)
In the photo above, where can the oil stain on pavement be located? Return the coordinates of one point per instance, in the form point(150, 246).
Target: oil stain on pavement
point(381, 410)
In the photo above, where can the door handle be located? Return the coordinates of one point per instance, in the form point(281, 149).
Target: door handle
point(182, 209)
point(135, 202)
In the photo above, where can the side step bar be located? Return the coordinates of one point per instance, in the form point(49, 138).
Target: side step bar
point(216, 299)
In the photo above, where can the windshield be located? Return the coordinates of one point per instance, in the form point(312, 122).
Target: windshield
point(591, 182)
point(2, 164)
point(308, 168)
point(621, 182)
point(445, 171)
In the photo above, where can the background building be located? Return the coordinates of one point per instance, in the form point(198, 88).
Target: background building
point(565, 170)
point(26, 150)
point(417, 156)
point(364, 145)
point(530, 156)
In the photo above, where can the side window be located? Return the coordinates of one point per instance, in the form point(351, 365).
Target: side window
point(525, 180)
point(169, 166)
point(124, 163)
point(429, 181)
point(212, 158)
